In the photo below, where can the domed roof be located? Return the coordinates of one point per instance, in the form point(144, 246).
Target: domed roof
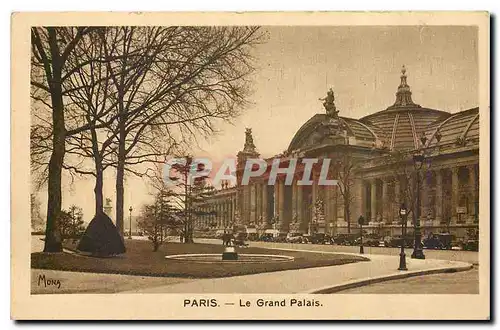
point(461, 128)
point(405, 121)
point(399, 127)
point(316, 131)
point(402, 128)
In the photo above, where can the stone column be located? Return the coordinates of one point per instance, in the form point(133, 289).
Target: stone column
point(281, 202)
point(294, 201)
point(385, 201)
point(314, 196)
point(373, 205)
point(333, 207)
point(397, 201)
point(327, 203)
point(245, 216)
point(222, 215)
point(424, 199)
point(439, 196)
point(264, 202)
point(217, 214)
point(473, 193)
point(359, 204)
point(276, 206)
point(454, 193)
point(226, 212)
point(253, 204)
point(234, 207)
point(300, 201)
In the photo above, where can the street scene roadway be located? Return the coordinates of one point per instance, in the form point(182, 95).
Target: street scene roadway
point(463, 282)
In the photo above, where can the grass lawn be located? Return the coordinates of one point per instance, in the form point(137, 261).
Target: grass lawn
point(141, 260)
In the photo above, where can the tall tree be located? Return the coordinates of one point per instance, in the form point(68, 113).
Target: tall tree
point(183, 79)
point(156, 219)
point(190, 191)
point(51, 48)
point(344, 168)
point(36, 218)
point(401, 163)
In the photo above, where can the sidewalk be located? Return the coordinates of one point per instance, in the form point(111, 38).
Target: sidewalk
point(310, 280)
point(314, 280)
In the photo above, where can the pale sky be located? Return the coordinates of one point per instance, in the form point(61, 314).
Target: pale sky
point(297, 65)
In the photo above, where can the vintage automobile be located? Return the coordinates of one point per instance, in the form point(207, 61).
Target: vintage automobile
point(266, 237)
point(253, 237)
point(239, 239)
point(396, 241)
point(441, 241)
point(345, 239)
point(470, 245)
point(368, 240)
point(281, 238)
point(294, 238)
point(320, 238)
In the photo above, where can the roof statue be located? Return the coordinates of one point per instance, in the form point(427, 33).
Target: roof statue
point(329, 104)
point(249, 145)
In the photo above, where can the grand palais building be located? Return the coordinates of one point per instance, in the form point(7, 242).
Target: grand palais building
point(373, 160)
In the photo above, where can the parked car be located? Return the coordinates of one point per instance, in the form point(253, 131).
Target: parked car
point(396, 241)
point(470, 245)
point(266, 237)
point(281, 238)
point(446, 240)
point(345, 239)
point(294, 238)
point(368, 240)
point(439, 241)
point(320, 238)
point(253, 237)
point(432, 242)
point(239, 239)
point(306, 238)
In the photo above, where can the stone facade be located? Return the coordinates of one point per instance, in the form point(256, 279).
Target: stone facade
point(372, 159)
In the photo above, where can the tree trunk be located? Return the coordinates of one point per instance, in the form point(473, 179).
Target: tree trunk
point(348, 218)
point(53, 241)
point(99, 179)
point(99, 197)
point(120, 175)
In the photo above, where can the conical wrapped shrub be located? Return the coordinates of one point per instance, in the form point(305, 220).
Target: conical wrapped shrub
point(101, 238)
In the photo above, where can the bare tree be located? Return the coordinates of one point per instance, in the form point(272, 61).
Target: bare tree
point(345, 167)
point(123, 96)
point(401, 164)
point(51, 48)
point(157, 219)
point(183, 78)
point(36, 218)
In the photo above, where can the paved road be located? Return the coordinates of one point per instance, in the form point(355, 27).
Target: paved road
point(466, 282)
point(465, 256)
point(275, 282)
point(310, 280)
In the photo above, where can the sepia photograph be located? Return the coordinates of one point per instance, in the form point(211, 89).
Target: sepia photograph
point(290, 167)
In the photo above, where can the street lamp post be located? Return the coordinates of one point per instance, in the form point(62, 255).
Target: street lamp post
point(130, 224)
point(418, 252)
point(403, 213)
point(361, 221)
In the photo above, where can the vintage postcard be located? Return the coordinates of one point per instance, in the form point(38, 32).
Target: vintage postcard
point(260, 166)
